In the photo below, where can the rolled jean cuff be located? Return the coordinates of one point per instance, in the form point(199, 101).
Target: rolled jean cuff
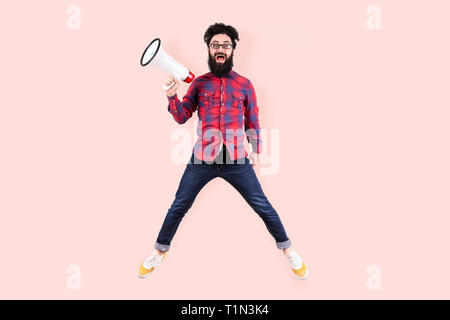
point(284, 245)
point(162, 247)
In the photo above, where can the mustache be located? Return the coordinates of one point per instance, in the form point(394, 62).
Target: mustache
point(220, 69)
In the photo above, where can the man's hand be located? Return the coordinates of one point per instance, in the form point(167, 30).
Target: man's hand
point(254, 158)
point(172, 91)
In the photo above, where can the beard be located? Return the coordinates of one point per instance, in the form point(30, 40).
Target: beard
point(220, 69)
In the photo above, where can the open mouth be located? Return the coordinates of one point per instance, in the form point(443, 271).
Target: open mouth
point(220, 58)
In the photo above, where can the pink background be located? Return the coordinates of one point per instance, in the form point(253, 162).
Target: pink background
point(86, 176)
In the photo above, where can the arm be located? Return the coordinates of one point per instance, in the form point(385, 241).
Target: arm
point(252, 128)
point(182, 111)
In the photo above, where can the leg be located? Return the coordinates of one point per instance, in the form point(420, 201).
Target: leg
point(193, 180)
point(243, 178)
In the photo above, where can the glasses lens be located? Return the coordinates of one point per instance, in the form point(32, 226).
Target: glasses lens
point(218, 45)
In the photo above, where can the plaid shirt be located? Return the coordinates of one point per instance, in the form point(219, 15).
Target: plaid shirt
point(224, 105)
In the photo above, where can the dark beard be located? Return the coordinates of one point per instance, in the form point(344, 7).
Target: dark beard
point(220, 69)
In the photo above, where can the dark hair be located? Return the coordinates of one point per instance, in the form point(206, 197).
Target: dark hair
point(219, 28)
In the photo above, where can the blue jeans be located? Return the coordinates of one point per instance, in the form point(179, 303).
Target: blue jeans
point(241, 176)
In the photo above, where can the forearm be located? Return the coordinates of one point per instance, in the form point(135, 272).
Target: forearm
point(179, 112)
point(253, 133)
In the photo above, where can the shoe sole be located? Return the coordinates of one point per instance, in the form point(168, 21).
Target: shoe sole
point(304, 277)
point(144, 276)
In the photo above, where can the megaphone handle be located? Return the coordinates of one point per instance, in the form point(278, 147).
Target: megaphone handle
point(170, 86)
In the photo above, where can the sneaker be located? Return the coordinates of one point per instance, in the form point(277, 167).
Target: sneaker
point(297, 264)
point(150, 264)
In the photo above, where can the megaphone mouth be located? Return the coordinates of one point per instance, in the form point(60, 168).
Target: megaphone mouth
point(150, 52)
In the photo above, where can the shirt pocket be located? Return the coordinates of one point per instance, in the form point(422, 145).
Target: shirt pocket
point(238, 100)
point(205, 99)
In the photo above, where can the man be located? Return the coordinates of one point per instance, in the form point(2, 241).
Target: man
point(225, 102)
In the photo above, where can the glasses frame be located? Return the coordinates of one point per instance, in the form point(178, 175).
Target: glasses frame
point(221, 45)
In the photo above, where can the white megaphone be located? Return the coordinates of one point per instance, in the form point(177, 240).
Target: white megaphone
point(155, 54)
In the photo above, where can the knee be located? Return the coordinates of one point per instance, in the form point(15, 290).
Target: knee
point(180, 208)
point(263, 207)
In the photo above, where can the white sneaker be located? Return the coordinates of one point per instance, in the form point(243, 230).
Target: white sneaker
point(152, 261)
point(297, 264)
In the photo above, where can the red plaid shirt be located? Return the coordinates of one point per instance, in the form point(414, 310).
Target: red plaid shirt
point(224, 105)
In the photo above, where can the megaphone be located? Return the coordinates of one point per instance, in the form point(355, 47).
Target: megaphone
point(155, 55)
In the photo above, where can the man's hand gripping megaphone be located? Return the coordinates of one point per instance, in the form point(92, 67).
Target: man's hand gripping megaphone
point(171, 85)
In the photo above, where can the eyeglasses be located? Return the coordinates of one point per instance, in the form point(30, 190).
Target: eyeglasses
point(226, 46)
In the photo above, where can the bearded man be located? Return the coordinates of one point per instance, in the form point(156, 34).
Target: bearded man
point(225, 102)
